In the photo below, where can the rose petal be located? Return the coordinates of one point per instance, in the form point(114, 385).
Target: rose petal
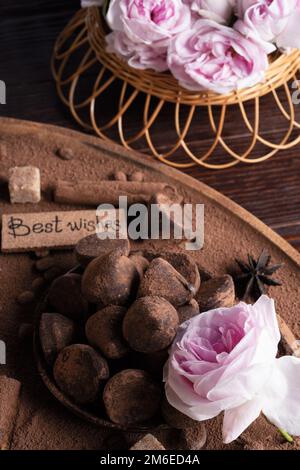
point(290, 37)
point(238, 419)
point(283, 394)
point(202, 411)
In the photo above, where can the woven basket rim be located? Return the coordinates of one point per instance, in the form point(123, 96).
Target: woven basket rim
point(164, 86)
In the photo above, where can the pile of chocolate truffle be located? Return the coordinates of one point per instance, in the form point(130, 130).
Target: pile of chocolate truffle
point(112, 321)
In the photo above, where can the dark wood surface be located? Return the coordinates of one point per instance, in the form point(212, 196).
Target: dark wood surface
point(28, 29)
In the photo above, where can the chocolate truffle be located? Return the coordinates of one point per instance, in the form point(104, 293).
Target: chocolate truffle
point(104, 331)
point(175, 418)
point(186, 266)
point(56, 332)
point(111, 279)
point(150, 324)
point(140, 263)
point(91, 247)
point(131, 397)
point(79, 372)
point(193, 438)
point(66, 297)
point(188, 311)
point(148, 442)
point(163, 280)
point(215, 293)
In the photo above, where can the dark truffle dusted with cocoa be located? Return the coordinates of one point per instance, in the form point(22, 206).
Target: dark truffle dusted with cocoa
point(140, 263)
point(111, 279)
point(215, 293)
point(104, 331)
point(66, 297)
point(186, 266)
point(79, 372)
point(150, 324)
point(131, 397)
point(163, 280)
point(193, 438)
point(175, 418)
point(188, 311)
point(56, 332)
point(91, 247)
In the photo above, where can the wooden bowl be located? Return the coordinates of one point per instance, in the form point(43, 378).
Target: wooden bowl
point(93, 414)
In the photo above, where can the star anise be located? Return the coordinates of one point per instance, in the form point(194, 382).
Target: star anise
point(256, 274)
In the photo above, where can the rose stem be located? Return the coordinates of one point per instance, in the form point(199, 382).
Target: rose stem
point(286, 435)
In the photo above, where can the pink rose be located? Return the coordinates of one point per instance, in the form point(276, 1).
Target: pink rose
point(270, 21)
point(220, 11)
point(215, 57)
point(143, 29)
point(225, 360)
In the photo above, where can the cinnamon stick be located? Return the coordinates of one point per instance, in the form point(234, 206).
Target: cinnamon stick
point(107, 192)
point(288, 339)
point(9, 405)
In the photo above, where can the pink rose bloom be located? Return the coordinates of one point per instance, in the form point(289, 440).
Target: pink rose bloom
point(220, 11)
point(215, 57)
point(225, 360)
point(270, 21)
point(143, 29)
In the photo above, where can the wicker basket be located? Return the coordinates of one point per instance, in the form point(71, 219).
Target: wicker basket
point(85, 73)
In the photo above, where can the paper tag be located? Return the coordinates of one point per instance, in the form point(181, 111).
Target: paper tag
point(60, 230)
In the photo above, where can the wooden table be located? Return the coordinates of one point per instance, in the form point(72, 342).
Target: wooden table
point(270, 190)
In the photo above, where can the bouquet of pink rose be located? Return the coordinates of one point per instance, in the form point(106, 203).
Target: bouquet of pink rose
point(218, 45)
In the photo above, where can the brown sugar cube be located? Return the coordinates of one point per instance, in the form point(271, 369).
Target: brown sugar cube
point(188, 311)
point(79, 372)
point(66, 297)
point(215, 293)
point(150, 324)
point(131, 397)
point(104, 331)
point(140, 263)
point(111, 279)
point(56, 333)
point(163, 280)
point(148, 442)
point(91, 247)
point(175, 418)
point(24, 184)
